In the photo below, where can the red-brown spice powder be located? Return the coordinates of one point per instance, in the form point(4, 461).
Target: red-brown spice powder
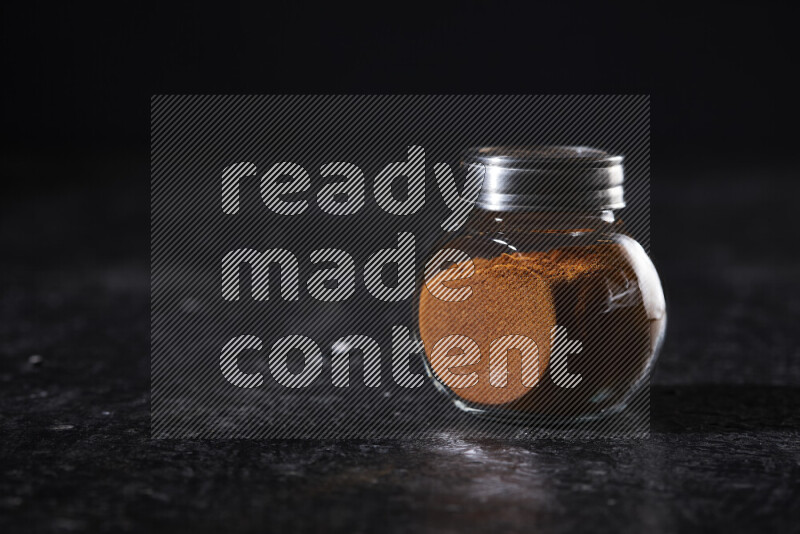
point(528, 294)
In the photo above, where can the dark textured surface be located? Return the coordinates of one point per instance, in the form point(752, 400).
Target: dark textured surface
point(723, 455)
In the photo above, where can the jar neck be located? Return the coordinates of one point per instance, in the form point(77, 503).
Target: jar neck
point(483, 220)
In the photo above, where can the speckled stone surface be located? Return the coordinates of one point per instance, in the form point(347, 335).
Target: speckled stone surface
point(75, 453)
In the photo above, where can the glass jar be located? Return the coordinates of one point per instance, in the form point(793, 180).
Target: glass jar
point(541, 305)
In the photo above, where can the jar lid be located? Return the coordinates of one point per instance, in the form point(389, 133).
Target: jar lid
point(548, 178)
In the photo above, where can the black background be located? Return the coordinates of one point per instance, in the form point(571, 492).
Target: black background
point(77, 81)
point(80, 77)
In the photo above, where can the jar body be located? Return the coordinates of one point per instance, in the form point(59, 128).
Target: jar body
point(558, 315)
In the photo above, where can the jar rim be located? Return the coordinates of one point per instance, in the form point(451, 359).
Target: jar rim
point(547, 178)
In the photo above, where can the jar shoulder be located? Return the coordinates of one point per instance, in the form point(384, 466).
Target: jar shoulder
point(613, 255)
